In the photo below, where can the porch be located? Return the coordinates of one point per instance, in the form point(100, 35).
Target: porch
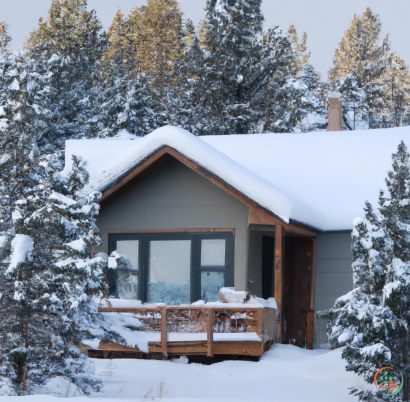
point(193, 331)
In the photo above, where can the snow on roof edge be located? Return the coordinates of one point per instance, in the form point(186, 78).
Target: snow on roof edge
point(226, 169)
point(119, 178)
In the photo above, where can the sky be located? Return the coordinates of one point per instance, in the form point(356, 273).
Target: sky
point(324, 21)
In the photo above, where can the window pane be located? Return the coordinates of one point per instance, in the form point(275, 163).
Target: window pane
point(127, 285)
point(211, 284)
point(169, 272)
point(130, 248)
point(127, 281)
point(213, 252)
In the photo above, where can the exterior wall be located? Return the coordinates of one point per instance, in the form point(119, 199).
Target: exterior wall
point(334, 276)
point(176, 197)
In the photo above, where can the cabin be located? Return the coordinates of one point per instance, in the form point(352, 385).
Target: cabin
point(270, 214)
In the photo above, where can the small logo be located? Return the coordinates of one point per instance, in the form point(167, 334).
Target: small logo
point(388, 381)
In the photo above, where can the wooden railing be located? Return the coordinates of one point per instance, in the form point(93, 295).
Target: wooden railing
point(192, 319)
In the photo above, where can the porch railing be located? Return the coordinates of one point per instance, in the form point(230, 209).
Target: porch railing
point(215, 320)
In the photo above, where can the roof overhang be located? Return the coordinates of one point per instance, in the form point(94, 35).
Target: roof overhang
point(258, 215)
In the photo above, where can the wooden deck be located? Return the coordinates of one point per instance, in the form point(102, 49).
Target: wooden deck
point(260, 325)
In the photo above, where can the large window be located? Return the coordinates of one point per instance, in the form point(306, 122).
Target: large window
point(172, 268)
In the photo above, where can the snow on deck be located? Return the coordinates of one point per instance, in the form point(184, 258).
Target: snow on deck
point(319, 179)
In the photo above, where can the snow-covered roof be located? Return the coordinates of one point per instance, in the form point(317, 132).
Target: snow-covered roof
point(318, 179)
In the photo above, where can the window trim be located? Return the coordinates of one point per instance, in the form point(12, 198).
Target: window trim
point(195, 235)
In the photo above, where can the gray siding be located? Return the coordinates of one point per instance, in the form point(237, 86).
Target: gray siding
point(175, 197)
point(333, 275)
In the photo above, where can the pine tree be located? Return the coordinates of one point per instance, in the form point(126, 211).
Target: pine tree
point(283, 92)
point(310, 96)
point(372, 321)
point(5, 38)
point(68, 45)
point(396, 91)
point(359, 65)
point(185, 105)
point(235, 71)
point(47, 277)
point(125, 100)
point(158, 37)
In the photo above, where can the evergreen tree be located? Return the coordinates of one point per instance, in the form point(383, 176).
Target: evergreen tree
point(234, 71)
point(310, 92)
point(68, 45)
point(251, 81)
point(396, 91)
point(359, 65)
point(47, 277)
point(157, 37)
point(372, 321)
point(125, 99)
point(22, 93)
point(185, 105)
point(284, 104)
point(5, 38)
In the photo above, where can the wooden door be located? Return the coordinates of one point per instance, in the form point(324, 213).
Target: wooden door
point(297, 289)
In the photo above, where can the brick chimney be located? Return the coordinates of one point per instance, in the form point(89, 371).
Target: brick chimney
point(335, 112)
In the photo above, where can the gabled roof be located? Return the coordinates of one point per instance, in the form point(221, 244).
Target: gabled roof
point(319, 179)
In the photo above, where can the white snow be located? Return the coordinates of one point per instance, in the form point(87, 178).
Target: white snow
point(61, 199)
point(319, 179)
point(284, 374)
point(194, 148)
point(22, 248)
point(77, 245)
point(97, 153)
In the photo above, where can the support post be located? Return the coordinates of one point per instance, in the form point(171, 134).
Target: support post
point(210, 333)
point(310, 321)
point(278, 291)
point(310, 329)
point(259, 327)
point(164, 333)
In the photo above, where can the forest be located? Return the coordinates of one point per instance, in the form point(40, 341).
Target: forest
point(227, 75)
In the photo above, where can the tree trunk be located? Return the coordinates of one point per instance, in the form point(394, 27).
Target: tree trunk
point(24, 379)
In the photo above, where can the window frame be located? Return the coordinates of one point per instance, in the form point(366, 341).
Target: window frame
point(196, 237)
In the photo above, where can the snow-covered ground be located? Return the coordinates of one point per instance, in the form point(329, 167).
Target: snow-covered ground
point(284, 374)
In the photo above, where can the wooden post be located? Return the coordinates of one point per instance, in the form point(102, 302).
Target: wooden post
point(313, 290)
point(278, 291)
point(210, 332)
point(164, 334)
point(259, 328)
point(311, 313)
point(259, 325)
point(310, 320)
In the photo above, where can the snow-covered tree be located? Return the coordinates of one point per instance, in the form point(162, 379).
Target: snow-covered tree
point(309, 93)
point(396, 90)
point(185, 103)
point(68, 45)
point(373, 320)
point(125, 99)
point(5, 38)
point(373, 79)
point(48, 274)
point(157, 37)
point(235, 72)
